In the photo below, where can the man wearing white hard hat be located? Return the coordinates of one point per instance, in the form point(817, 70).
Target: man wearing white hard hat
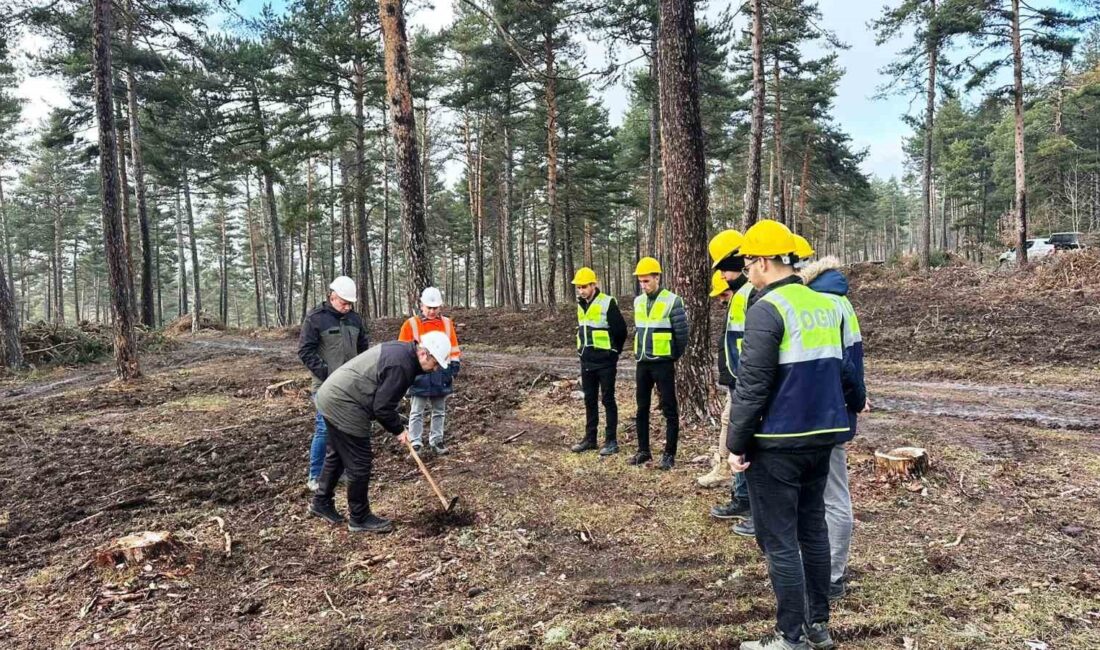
point(431, 390)
point(332, 334)
point(365, 390)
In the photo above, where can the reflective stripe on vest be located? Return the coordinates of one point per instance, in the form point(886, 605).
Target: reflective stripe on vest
point(592, 325)
point(653, 328)
point(809, 399)
point(735, 327)
point(414, 325)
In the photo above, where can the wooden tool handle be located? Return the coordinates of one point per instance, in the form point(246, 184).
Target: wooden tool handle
point(424, 470)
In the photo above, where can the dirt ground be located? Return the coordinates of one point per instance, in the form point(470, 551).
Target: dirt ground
point(996, 548)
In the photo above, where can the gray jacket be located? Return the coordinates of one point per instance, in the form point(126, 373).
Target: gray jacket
point(369, 388)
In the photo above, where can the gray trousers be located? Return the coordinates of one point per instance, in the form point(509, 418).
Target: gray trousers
point(838, 512)
point(417, 407)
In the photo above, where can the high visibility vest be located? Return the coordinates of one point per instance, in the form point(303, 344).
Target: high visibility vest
point(592, 326)
point(448, 329)
point(735, 327)
point(808, 398)
point(653, 328)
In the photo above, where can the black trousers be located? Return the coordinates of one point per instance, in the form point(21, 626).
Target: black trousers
point(599, 386)
point(661, 374)
point(787, 493)
point(353, 455)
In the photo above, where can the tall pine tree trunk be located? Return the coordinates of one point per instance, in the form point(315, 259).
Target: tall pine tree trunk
point(550, 96)
point(685, 193)
point(196, 271)
point(399, 91)
point(926, 163)
point(124, 196)
point(126, 358)
point(58, 264)
point(653, 177)
point(147, 314)
point(181, 284)
point(385, 214)
point(257, 278)
point(777, 147)
point(756, 129)
point(1018, 110)
point(11, 355)
point(282, 312)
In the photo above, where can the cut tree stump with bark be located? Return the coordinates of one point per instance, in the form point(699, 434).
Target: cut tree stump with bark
point(136, 548)
point(902, 463)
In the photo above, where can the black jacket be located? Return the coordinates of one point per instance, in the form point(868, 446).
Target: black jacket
point(593, 359)
point(757, 375)
point(330, 339)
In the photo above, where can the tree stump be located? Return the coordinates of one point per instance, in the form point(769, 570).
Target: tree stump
point(136, 548)
point(901, 464)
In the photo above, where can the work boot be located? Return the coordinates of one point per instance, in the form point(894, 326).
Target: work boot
point(609, 447)
point(640, 458)
point(370, 524)
point(326, 510)
point(735, 509)
point(438, 449)
point(817, 636)
point(776, 641)
point(719, 474)
point(744, 528)
point(838, 590)
point(667, 461)
point(588, 444)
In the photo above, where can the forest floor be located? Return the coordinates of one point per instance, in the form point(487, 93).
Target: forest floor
point(998, 547)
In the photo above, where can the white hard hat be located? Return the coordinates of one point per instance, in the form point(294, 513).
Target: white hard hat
point(431, 297)
point(439, 345)
point(344, 287)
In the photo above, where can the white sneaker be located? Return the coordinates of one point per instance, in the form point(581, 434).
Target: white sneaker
point(311, 485)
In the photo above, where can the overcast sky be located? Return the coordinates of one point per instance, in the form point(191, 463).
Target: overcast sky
point(873, 124)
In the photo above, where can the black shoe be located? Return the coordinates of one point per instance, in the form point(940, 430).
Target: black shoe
point(744, 528)
point(817, 635)
point(439, 449)
point(588, 444)
point(735, 509)
point(609, 447)
point(326, 511)
point(371, 524)
point(640, 458)
point(417, 447)
point(667, 461)
point(838, 590)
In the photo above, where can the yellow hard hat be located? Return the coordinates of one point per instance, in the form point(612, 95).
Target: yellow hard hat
point(767, 238)
point(723, 244)
point(718, 284)
point(584, 277)
point(648, 266)
point(802, 247)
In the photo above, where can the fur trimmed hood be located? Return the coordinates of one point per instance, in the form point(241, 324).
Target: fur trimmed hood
point(824, 275)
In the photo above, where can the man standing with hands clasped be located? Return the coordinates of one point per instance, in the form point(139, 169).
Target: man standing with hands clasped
point(601, 332)
point(794, 391)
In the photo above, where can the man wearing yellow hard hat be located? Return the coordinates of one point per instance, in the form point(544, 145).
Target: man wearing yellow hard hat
point(725, 257)
point(601, 333)
point(794, 391)
point(660, 337)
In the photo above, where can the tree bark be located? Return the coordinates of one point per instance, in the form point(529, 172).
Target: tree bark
point(181, 288)
point(281, 310)
point(11, 355)
point(124, 197)
point(126, 358)
point(654, 150)
point(257, 279)
point(385, 214)
point(686, 192)
point(1018, 109)
point(196, 271)
point(147, 314)
point(756, 129)
point(777, 146)
point(58, 264)
point(551, 99)
point(926, 164)
point(399, 90)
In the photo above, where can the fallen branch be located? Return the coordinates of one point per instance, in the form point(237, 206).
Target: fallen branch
point(958, 540)
point(275, 389)
point(333, 606)
point(514, 437)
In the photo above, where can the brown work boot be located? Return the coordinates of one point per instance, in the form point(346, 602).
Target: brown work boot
point(718, 476)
